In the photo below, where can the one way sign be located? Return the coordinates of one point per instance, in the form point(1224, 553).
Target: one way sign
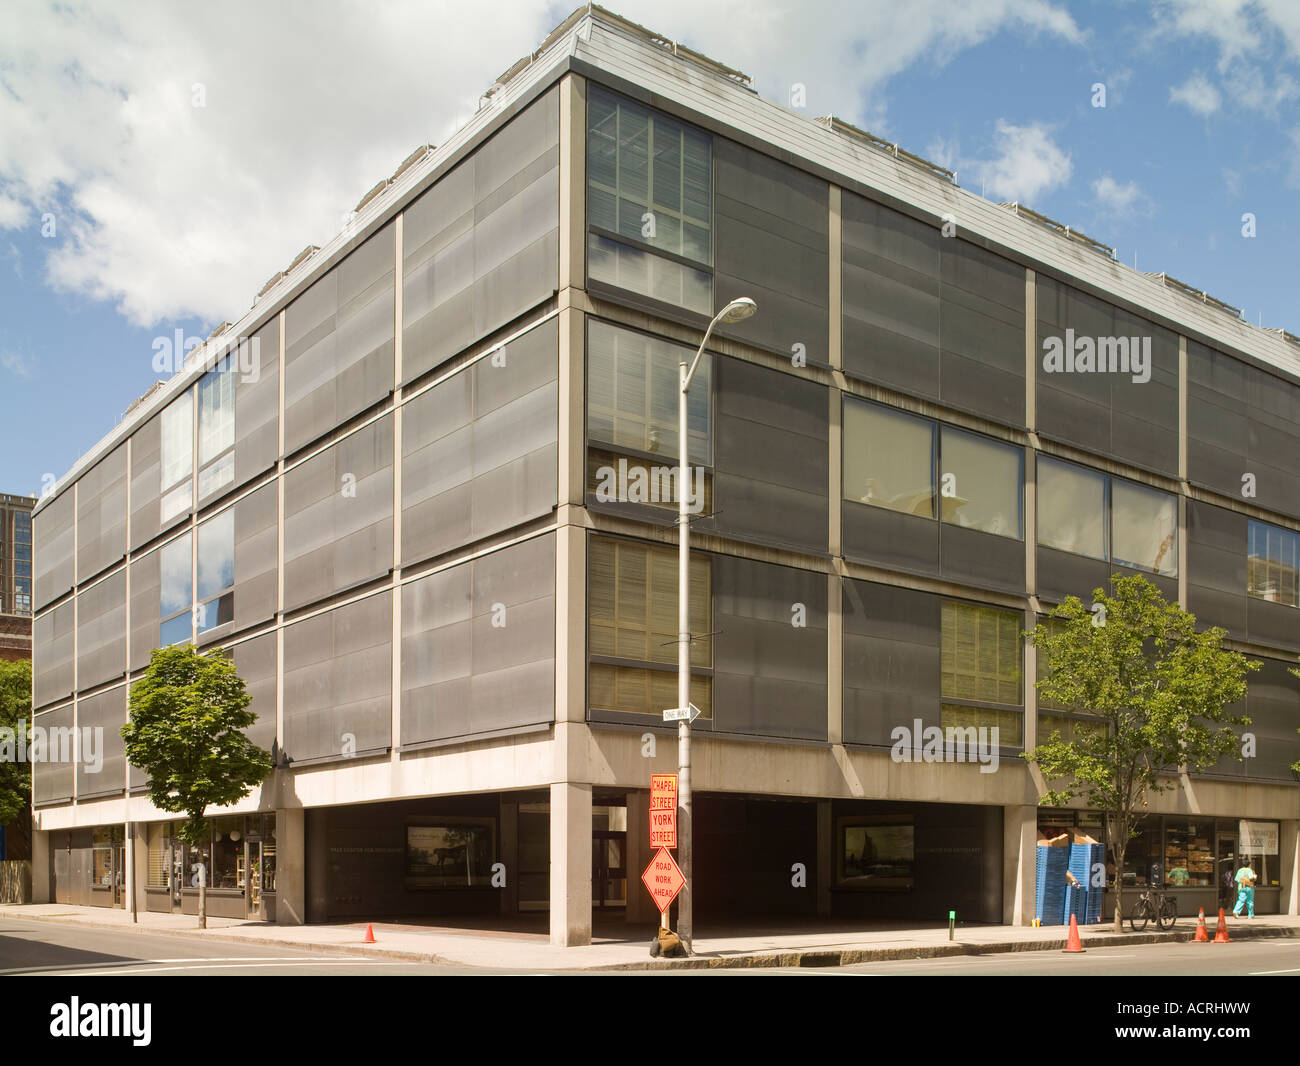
point(680, 714)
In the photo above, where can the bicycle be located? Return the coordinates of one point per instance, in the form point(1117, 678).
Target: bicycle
point(1153, 905)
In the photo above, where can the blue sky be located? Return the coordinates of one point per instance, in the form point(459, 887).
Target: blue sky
point(184, 159)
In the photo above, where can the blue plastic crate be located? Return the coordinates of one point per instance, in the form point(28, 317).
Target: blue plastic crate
point(1050, 864)
point(1075, 902)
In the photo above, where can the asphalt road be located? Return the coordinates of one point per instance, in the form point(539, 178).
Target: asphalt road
point(30, 948)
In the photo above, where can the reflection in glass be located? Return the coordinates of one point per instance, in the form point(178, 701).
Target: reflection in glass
point(1273, 564)
point(177, 440)
point(177, 582)
point(632, 387)
point(1143, 527)
point(878, 856)
point(888, 459)
point(980, 483)
point(648, 274)
point(1071, 508)
point(216, 413)
point(217, 554)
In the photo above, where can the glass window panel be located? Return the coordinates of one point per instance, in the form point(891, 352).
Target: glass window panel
point(1144, 527)
point(888, 459)
point(1071, 509)
point(177, 579)
point(648, 274)
point(177, 440)
point(1009, 724)
point(175, 630)
point(981, 483)
point(632, 393)
point(175, 502)
point(216, 414)
point(217, 554)
point(980, 653)
point(217, 474)
point(1273, 564)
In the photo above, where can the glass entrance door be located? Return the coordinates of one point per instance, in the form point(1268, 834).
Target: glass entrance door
point(253, 863)
point(1225, 868)
point(609, 869)
point(119, 873)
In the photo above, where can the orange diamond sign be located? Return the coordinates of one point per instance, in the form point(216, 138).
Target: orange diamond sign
point(663, 879)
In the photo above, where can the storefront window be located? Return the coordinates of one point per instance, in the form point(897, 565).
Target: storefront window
point(1189, 853)
point(1144, 851)
point(227, 853)
point(450, 855)
point(877, 853)
point(159, 871)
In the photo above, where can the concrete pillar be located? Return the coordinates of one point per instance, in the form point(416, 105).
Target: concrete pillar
point(570, 864)
point(509, 851)
point(137, 867)
point(1019, 862)
point(290, 867)
point(41, 888)
point(1289, 864)
point(825, 857)
point(641, 909)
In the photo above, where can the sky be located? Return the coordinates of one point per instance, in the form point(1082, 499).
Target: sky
point(159, 162)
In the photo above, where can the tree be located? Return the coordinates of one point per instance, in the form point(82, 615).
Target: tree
point(1158, 691)
point(1295, 766)
point(185, 732)
point(15, 737)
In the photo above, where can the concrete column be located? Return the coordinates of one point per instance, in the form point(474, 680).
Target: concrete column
point(137, 867)
point(570, 863)
point(510, 853)
point(825, 857)
point(41, 867)
point(290, 867)
point(1288, 862)
point(1019, 859)
point(640, 907)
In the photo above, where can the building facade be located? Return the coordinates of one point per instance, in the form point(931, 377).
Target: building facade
point(16, 576)
point(418, 494)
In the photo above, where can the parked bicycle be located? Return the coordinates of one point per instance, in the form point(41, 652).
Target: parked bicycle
point(1153, 906)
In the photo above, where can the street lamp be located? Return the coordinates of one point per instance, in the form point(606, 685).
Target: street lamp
point(735, 311)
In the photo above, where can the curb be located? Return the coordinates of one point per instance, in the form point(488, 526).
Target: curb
point(854, 956)
point(813, 958)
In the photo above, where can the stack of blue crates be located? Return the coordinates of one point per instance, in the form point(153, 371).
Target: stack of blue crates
point(1076, 903)
point(1083, 859)
point(1049, 895)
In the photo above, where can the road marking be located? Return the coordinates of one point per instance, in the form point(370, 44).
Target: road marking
point(1265, 973)
point(223, 965)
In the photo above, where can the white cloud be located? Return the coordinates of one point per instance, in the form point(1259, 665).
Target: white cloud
point(169, 210)
point(1119, 198)
point(1197, 95)
point(1028, 164)
point(15, 364)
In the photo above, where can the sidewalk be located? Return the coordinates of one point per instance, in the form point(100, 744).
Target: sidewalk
point(618, 947)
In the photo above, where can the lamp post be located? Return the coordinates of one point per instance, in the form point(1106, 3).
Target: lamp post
point(735, 311)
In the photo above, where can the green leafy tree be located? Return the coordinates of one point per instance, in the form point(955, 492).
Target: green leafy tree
point(185, 732)
point(1295, 766)
point(1159, 693)
point(15, 732)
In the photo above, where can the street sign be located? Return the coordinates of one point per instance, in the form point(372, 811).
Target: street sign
point(682, 714)
point(663, 880)
point(663, 792)
point(663, 828)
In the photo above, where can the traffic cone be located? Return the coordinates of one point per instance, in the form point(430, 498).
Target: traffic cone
point(370, 935)
point(1221, 934)
point(1074, 944)
point(1202, 934)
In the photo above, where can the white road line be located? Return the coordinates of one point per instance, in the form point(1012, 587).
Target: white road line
point(1265, 973)
point(226, 965)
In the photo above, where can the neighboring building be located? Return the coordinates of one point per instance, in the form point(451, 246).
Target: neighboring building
point(398, 521)
point(16, 576)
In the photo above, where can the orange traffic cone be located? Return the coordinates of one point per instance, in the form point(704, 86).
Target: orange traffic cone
point(370, 935)
point(1074, 944)
point(1202, 934)
point(1221, 934)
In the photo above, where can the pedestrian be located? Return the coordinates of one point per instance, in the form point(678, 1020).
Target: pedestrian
point(1245, 891)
